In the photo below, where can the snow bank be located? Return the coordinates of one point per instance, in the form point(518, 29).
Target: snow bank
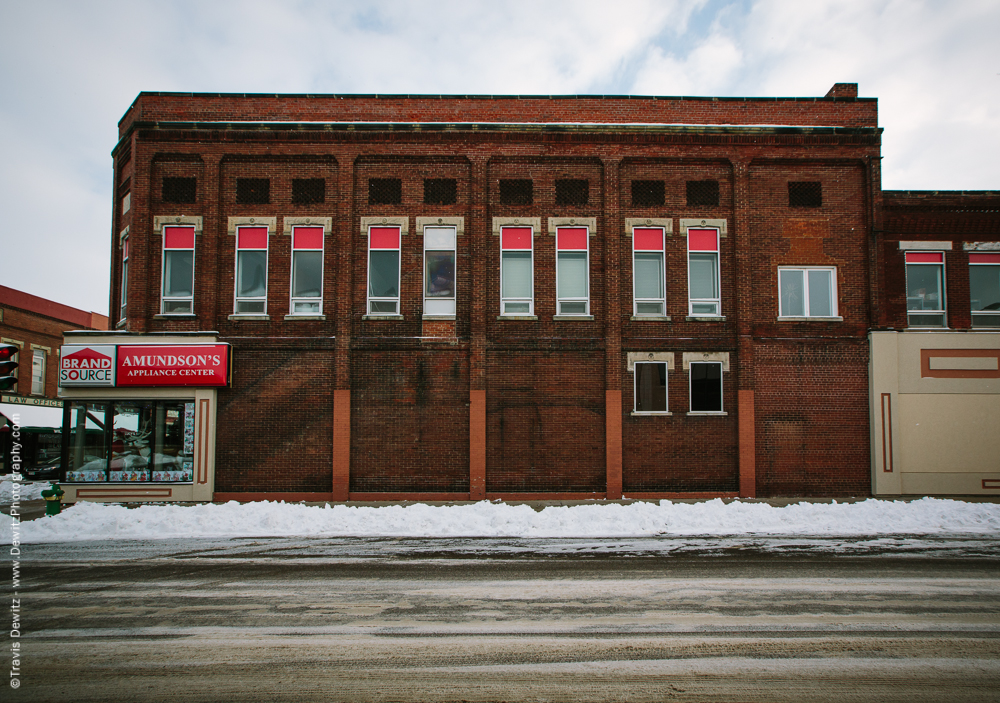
point(93, 521)
point(30, 490)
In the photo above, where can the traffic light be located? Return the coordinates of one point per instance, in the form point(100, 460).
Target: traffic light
point(7, 378)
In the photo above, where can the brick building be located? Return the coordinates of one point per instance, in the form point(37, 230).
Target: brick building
point(476, 297)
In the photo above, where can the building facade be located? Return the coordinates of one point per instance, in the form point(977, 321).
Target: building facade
point(492, 297)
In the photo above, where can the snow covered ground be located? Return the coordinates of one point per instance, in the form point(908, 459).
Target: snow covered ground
point(869, 518)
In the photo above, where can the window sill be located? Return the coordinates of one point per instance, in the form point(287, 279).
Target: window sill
point(381, 317)
point(176, 316)
point(121, 323)
point(517, 317)
point(251, 317)
point(572, 318)
point(651, 318)
point(304, 318)
point(716, 318)
point(651, 412)
point(438, 317)
point(810, 319)
point(707, 412)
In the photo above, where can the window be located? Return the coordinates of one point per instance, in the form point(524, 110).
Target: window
point(518, 191)
point(805, 194)
point(572, 271)
point(572, 191)
point(126, 203)
point(124, 296)
point(984, 289)
point(307, 271)
point(925, 289)
point(440, 191)
point(702, 193)
point(517, 283)
point(648, 290)
point(307, 191)
point(251, 270)
point(439, 270)
point(149, 441)
point(703, 273)
point(650, 387)
point(179, 190)
point(253, 191)
point(178, 271)
point(37, 372)
point(807, 292)
point(647, 193)
point(385, 191)
point(706, 386)
point(383, 270)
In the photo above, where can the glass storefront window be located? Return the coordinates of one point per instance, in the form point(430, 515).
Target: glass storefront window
point(131, 441)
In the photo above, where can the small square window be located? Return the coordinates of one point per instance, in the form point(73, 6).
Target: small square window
point(385, 191)
point(805, 194)
point(702, 193)
point(253, 191)
point(180, 190)
point(517, 191)
point(307, 191)
point(440, 191)
point(572, 191)
point(648, 193)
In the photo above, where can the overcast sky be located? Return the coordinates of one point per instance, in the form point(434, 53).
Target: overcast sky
point(69, 70)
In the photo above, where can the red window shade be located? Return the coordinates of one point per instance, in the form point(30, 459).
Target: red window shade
point(178, 237)
point(571, 238)
point(307, 238)
point(383, 238)
point(515, 238)
point(984, 258)
point(703, 240)
point(924, 257)
point(251, 238)
point(647, 239)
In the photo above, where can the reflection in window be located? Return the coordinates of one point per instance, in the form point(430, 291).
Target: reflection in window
point(925, 289)
point(650, 387)
point(706, 386)
point(439, 270)
point(984, 289)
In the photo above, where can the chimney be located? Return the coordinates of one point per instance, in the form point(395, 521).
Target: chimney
point(843, 90)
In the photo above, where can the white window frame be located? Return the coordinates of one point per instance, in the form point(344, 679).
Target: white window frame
point(992, 315)
point(124, 287)
point(586, 253)
point(943, 310)
point(163, 272)
point(442, 302)
point(834, 306)
point(635, 388)
point(531, 300)
point(291, 277)
point(236, 278)
point(717, 301)
point(38, 385)
point(399, 274)
point(722, 394)
point(636, 300)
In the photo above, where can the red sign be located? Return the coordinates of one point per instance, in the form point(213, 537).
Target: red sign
point(168, 365)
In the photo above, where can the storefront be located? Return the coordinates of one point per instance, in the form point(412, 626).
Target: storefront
point(140, 416)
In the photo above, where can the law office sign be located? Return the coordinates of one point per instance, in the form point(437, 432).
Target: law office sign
point(87, 365)
point(145, 365)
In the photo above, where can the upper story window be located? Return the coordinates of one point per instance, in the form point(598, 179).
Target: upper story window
point(703, 273)
point(178, 271)
point(308, 191)
point(650, 387)
point(702, 193)
point(383, 270)
point(805, 194)
point(126, 203)
point(440, 191)
point(179, 190)
point(385, 191)
point(925, 295)
point(648, 271)
point(706, 386)
point(124, 286)
point(984, 289)
point(572, 191)
point(517, 283)
point(307, 271)
point(807, 292)
point(517, 191)
point(439, 270)
point(253, 191)
point(648, 193)
point(572, 271)
point(37, 372)
point(251, 270)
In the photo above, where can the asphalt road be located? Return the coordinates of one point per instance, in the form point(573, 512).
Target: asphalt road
point(512, 620)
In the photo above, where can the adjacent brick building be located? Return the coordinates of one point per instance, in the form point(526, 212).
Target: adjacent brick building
point(476, 297)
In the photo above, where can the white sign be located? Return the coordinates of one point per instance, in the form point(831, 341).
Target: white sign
point(87, 365)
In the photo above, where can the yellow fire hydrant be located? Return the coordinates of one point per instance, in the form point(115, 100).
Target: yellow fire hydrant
point(53, 499)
